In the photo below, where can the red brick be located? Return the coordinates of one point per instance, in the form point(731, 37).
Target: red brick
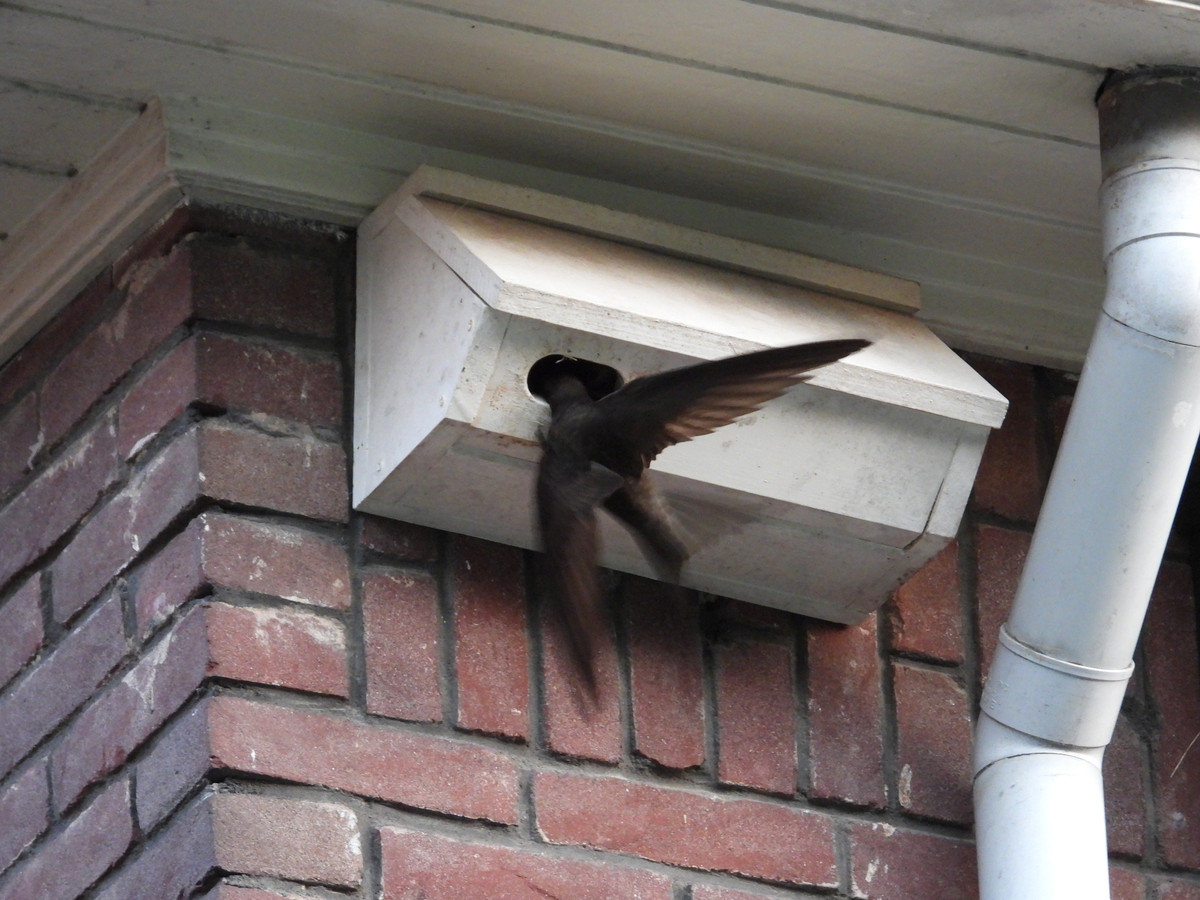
point(120, 719)
point(888, 863)
point(171, 267)
point(21, 625)
point(845, 714)
point(241, 554)
point(1173, 677)
point(238, 282)
point(51, 690)
point(280, 560)
point(925, 614)
point(1175, 890)
point(75, 857)
point(773, 841)
point(177, 762)
point(272, 378)
point(284, 472)
point(170, 578)
point(419, 866)
point(161, 395)
point(574, 723)
point(433, 773)
point(756, 716)
point(1000, 558)
point(1126, 885)
point(1125, 791)
point(21, 439)
point(1010, 481)
point(148, 315)
point(299, 840)
point(283, 647)
point(238, 374)
point(933, 747)
point(127, 523)
point(36, 357)
point(173, 863)
point(666, 674)
point(402, 639)
point(57, 498)
point(403, 540)
point(151, 249)
point(24, 812)
point(491, 650)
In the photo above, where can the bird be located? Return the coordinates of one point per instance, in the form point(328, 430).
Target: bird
point(600, 441)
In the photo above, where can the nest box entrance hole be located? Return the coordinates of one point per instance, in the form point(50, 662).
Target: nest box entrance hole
point(599, 380)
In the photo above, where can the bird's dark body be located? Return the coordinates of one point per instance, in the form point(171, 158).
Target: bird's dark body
point(595, 452)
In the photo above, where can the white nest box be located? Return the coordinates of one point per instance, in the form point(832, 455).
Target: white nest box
point(830, 496)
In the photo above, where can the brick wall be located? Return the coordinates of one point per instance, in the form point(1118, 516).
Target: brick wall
point(217, 681)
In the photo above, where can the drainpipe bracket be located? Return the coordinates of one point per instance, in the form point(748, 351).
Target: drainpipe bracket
point(1053, 699)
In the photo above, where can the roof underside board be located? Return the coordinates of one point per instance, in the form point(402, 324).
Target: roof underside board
point(943, 141)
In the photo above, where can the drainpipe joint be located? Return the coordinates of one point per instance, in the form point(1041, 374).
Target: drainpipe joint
point(1061, 702)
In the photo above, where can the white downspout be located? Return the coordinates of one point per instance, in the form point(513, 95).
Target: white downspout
point(1065, 655)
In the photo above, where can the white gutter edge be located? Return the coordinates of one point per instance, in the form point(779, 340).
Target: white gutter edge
point(1065, 655)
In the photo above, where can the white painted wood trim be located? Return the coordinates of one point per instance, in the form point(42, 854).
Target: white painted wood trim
point(127, 187)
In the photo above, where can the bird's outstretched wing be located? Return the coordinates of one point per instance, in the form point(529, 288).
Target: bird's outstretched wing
point(653, 412)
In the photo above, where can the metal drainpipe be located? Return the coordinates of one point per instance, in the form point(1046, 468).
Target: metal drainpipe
point(1065, 655)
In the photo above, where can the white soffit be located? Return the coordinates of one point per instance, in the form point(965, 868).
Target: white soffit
point(946, 141)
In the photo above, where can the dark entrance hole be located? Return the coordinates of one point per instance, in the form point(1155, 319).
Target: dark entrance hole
point(599, 379)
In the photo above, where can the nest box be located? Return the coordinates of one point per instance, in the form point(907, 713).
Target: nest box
point(821, 503)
